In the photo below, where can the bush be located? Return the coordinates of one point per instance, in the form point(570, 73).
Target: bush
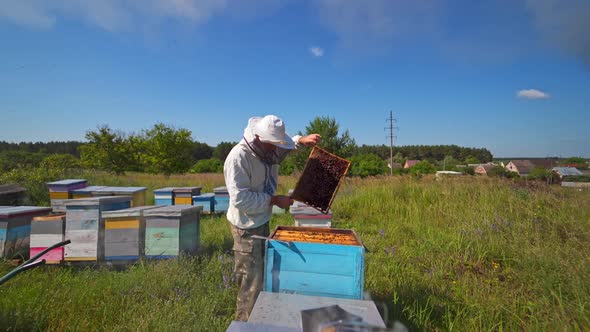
point(367, 165)
point(577, 178)
point(468, 170)
point(212, 165)
point(423, 167)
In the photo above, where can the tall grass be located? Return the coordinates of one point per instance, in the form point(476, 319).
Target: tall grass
point(457, 255)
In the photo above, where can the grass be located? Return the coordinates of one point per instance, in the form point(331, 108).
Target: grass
point(452, 255)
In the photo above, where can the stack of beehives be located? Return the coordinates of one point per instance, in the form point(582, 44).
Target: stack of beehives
point(221, 199)
point(45, 232)
point(184, 195)
point(171, 230)
point(124, 239)
point(15, 228)
point(206, 200)
point(85, 226)
point(60, 191)
point(164, 196)
point(137, 194)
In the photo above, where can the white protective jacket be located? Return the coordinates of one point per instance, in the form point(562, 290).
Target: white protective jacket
point(245, 175)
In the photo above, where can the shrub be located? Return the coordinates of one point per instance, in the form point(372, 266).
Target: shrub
point(212, 165)
point(367, 165)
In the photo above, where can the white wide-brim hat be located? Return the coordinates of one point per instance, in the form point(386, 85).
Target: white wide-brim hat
point(270, 129)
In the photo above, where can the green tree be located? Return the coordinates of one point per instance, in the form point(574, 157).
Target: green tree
point(166, 150)
point(60, 164)
point(212, 165)
point(332, 141)
point(540, 173)
point(367, 165)
point(471, 160)
point(423, 167)
point(107, 150)
point(399, 158)
point(222, 150)
point(497, 171)
point(201, 151)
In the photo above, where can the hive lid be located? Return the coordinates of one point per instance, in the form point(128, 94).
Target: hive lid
point(316, 235)
point(12, 188)
point(67, 182)
point(173, 210)
point(220, 190)
point(318, 184)
point(96, 200)
point(119, 190)
point(205, 196)
point(136, 211)
point(167, 190)
point(87, 190)
point(14, 211)
point(186, 189)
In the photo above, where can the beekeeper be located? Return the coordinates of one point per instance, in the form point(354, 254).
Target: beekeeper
point(251, 171)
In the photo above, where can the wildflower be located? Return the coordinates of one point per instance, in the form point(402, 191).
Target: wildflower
point(495, 265)
point(382, 232)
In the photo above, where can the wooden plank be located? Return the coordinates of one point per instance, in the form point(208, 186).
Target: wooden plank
point(48, 227)
point(59, 195)
point(121, 235)
point(78, 252)
point(162, 233)
point(122, 249)
point(52, 257)
point(161, 247)
point(45, 240)
point(122, 224)
point(183, 200)
point(157, 222)
point(82, 225)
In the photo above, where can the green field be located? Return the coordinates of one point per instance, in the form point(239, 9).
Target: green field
point(458, 254)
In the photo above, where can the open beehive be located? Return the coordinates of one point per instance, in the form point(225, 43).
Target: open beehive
point(320, 180)
point(314, 261)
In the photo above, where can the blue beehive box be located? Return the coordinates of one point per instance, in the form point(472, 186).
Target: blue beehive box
point(15, 229)
point(207, 201)
point(315, 261)
point(221, 199)
point(164, 196)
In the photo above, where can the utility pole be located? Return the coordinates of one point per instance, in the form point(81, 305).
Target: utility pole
point(391, 136)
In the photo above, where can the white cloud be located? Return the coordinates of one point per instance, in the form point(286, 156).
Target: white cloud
point(316, 51)
point(532, 94)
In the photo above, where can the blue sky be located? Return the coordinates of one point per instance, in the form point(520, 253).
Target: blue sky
point(512, 76)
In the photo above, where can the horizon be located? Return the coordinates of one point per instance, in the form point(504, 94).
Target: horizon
point(510, 76)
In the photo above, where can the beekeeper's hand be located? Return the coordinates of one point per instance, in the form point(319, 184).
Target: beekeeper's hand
point(281, 201)
point(310, 140)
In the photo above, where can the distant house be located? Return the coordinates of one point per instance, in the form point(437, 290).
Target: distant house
point(484, 168)
point(411, 163)
point(566, 171)
point(544, 163)
point(394, 165)
point(522, 167)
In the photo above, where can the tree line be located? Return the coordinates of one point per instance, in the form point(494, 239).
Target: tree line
point(164, 149)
